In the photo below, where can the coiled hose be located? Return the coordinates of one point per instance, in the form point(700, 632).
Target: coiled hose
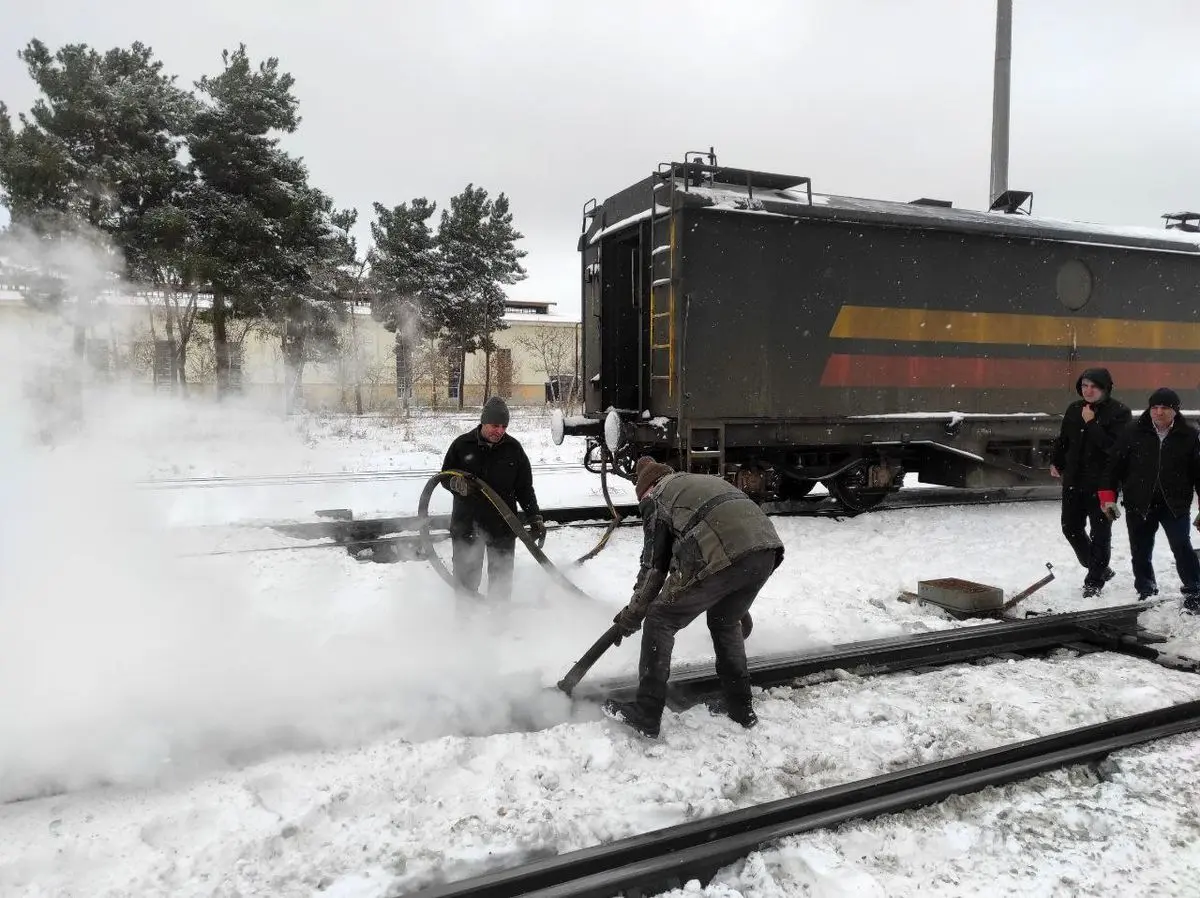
point(601, 645)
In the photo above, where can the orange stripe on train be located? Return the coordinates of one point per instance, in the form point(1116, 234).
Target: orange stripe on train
point(915, 372)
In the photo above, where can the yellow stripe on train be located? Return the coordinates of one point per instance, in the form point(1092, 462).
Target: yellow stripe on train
point(935, 326)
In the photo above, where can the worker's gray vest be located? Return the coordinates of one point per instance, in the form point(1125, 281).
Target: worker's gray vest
point(714, 525)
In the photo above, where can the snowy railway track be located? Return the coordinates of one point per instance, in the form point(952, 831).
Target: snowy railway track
point(669, 858)
point(394, 538)
point(304, 478)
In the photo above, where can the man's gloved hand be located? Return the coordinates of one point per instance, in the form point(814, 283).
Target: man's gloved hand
point(1108, 504)
point(628, 621)
point(461, 485)
point(537, 528)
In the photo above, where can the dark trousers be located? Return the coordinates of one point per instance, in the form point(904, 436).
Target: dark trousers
point(1142, 530)
point(1080, 511)
point(468, 548)
point(727, 595)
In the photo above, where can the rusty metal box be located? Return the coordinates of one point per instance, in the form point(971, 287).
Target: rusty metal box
point(960, 595)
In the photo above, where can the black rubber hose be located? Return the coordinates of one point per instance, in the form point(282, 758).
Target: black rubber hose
point(592, 655)
point(605, 460)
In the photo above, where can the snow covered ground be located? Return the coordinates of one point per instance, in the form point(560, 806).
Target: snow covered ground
point(296, 722)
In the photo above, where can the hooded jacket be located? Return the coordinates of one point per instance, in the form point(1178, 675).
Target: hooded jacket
point(1081, 452)
point(1145, 467)
point(695, 525)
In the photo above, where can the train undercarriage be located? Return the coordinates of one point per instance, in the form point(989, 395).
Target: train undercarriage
point(860, 461)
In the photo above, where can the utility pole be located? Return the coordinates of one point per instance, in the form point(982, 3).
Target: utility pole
point(1000, 85)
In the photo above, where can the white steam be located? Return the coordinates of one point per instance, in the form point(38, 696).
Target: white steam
point(123, 662)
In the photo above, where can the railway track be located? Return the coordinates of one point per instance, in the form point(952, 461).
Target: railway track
point(669, 858)
point(391, 539)
point(305, 478)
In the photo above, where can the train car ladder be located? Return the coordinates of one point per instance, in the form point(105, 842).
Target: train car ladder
point(662, 288)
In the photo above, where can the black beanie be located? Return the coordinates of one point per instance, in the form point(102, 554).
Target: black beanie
point(494, 412)
point(1164, 396)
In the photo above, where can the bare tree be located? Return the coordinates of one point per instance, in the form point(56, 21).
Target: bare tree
point(556, 350)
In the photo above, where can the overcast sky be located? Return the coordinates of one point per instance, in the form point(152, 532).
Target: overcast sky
point(555, 101)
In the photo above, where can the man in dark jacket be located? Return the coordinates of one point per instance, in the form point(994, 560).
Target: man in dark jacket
point(1090, 428)
point(1156, 463)
point(497, 459)
point(707, 547)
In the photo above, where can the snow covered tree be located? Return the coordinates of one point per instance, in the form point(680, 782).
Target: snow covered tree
point(476, 242)
point(405, 270)
point(307, 308)
point(250, 198)
point(96, 157)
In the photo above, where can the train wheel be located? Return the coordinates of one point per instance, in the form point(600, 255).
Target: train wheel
point(790, 489)
point(853, 490)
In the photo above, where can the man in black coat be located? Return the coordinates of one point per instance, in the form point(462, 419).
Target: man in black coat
point(497, 459)
point(1090, 428)
point(1156, 464)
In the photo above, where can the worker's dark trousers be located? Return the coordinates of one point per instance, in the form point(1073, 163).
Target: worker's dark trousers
point(726, 595)
point(1081, 512)
point(467, 551)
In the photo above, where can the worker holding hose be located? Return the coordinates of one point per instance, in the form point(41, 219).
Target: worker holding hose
point(707, 548)
point(476, 527)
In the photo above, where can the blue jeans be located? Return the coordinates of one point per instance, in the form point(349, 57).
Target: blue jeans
point(1142, 530)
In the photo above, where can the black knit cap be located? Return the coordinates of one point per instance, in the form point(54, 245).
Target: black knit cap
point(1164, 396)
point(494, 412)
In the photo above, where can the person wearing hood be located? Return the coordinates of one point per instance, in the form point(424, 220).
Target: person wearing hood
point(495, 457)
point(1090, 428)
point(707, 549)
point(1156, 465)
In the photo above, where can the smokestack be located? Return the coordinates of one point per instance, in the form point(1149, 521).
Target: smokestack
point(1000, 84)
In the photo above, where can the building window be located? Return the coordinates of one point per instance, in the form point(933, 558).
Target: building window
point(452, 380)
point(164, 372)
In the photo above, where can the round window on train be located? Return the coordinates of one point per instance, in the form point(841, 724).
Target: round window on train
point(1074, 284)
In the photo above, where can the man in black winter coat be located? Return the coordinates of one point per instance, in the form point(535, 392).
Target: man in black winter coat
point(1156, 463)
point(497, 459)
point(1090, 429)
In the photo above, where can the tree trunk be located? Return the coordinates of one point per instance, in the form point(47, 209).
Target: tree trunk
point(487, 374)
point(462, 374)
point(175, 367)
point(292, 344)
point(220, 343)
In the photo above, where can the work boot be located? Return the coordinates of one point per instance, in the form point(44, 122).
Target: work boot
point(1191, 601)
point(634, 715)
point(1091, 590)
point(739, 710)
point(1144, 594)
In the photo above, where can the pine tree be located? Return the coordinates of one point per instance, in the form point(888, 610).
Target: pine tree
point(476, 243)
point(405, 269)
point(98, 155)
point(247, 193)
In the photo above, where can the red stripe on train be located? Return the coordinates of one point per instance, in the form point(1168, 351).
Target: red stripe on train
point(903, 371)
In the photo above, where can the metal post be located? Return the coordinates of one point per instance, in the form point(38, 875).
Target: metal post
point(1000, 91)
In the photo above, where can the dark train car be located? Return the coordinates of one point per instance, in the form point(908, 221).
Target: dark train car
point(745, 326)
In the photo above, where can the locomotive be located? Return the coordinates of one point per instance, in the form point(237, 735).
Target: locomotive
point(737, 323)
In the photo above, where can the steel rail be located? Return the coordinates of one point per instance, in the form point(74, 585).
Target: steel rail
point(1104, 627)
point(668, 858)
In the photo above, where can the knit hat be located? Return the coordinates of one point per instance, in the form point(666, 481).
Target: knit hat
point(1164, 396)
point(649, 472)
point(494, 412)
